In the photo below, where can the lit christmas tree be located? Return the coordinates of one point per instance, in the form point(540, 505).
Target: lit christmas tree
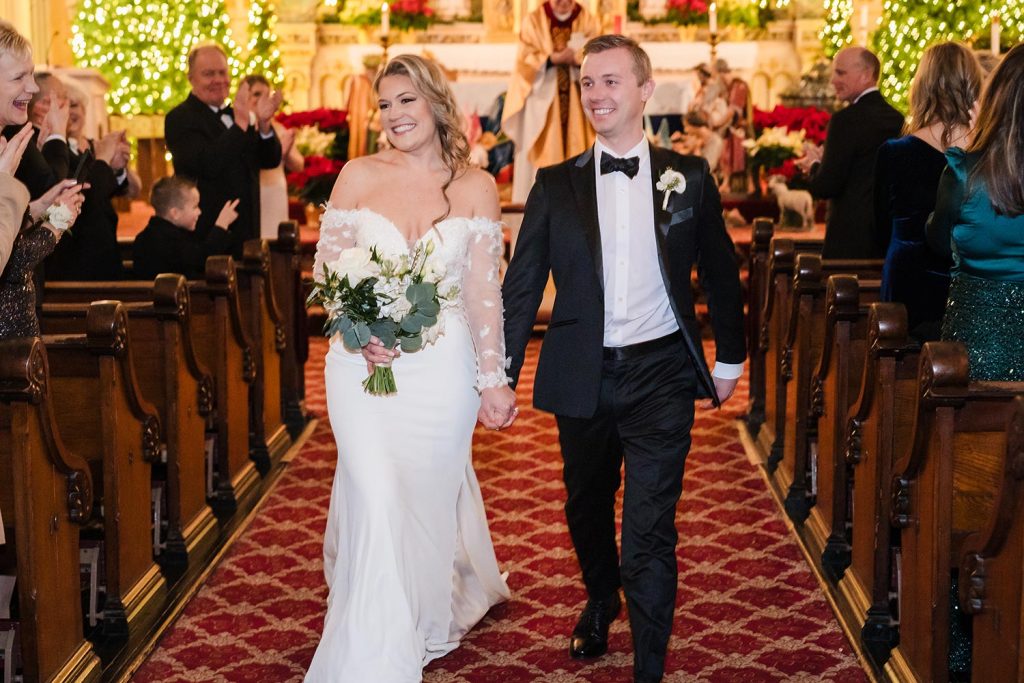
point(907, 28)
point(141, 47)
point(263, 57)
point(836, 34)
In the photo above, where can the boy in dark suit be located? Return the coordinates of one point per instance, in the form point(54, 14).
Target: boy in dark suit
point(169, 244)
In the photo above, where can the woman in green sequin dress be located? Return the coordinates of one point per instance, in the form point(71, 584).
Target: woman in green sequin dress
point(979, 221)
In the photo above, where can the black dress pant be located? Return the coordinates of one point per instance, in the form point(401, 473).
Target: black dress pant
point(644, 417)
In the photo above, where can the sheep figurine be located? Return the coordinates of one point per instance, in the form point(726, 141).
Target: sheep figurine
point(799, 202)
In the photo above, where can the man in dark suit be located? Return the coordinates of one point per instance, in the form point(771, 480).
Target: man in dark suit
point(222, 149)
point(619, 228)
point(845, 172)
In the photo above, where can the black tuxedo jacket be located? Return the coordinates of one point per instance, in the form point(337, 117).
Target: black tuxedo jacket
point(560, 234)
point(224, 162)
point(846, 176)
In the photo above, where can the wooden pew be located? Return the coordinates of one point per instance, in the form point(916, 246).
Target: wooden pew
point(799, 357)
point(834, 387)
point(879, 426)
point(172, 378)
point(758, 281)
point(103, 418)
point(770, 437)
point(943, 488)
point(991, 574)
point(45, 494)
point(221, 343)
point(286, 273)
point(268, 436)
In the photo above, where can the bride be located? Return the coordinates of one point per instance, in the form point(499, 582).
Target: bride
point(407, 554)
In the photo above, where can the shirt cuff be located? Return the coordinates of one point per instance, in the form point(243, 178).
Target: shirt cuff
point(267, 136)
point(727, 370)
point(122, 176)
point(55, 136)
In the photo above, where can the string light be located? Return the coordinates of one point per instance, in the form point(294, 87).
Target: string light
point(907, 28)
point(141, 47)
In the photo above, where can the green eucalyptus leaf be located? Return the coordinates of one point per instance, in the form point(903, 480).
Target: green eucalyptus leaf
point(412, 323)
point(362, 333)
point(429, 308)
point(420, 293)
point(411, 344)
point(351, 340)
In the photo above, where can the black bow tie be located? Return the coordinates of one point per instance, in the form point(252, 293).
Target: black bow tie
point(609, 164)
point(226, 109)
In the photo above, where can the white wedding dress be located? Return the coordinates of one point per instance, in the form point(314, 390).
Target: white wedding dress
point(407, 554)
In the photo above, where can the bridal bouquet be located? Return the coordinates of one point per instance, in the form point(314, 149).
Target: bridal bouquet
point(396, 300)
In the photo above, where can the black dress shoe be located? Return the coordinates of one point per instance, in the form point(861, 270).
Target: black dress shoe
point(590, 637)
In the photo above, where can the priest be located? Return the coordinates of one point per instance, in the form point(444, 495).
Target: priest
point(542, 113)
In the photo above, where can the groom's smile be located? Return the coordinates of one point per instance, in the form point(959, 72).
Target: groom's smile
point(614, 97)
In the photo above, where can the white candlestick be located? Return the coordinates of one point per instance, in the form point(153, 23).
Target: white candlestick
point(713, 18)
point(385, 19)
point(864, 18)
point(996, 29)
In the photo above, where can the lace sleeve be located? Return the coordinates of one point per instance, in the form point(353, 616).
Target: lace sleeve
point(482, 297)
point(337, 233)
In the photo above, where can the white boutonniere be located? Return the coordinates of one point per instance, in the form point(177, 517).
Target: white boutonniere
point(670, 181)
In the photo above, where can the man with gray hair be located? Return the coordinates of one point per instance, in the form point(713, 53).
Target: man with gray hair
point(844, 172)
point(222, 148)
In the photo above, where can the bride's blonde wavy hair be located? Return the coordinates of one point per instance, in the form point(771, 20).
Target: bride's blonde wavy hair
point(429, 81)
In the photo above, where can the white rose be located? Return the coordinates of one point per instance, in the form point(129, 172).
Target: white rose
point(356, 263)
point(433, 270)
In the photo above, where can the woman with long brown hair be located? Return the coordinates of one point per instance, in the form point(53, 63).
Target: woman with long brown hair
point(943, 96)
point(979, 222)
point(407, 554)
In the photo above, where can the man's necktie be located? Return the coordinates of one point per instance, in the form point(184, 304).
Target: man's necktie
point(609, 164)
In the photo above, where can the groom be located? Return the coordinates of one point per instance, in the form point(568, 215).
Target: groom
point(622, 361)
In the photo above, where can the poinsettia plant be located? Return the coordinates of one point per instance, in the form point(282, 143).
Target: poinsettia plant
point(786, 124)
point(321, 136)
point(812, 121)
point(685, 12)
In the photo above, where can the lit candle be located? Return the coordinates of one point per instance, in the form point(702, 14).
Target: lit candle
point(864, 17)
point(385, 19)
point(617, 24)
point(713, 18)
point(996, 28)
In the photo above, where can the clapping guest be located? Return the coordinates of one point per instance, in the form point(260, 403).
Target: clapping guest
point(943, 95)
point(167, 245)
point(220, 148)
point(273, 186)
point(17, 86)
point(979, 221)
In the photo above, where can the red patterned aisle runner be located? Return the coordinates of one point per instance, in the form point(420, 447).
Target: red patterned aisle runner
point(750, 609)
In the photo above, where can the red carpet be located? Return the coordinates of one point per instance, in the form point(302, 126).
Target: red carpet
point(749, 608)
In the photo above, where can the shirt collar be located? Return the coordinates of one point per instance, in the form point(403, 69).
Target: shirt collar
point(642, 150)
point(857, 99)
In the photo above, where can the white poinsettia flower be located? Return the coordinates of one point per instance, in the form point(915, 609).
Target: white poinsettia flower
point(356, 263)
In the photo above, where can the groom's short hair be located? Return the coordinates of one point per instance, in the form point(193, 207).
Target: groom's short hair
point(641, 61)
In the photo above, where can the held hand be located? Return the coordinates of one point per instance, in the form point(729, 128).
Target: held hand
point(812, 155)
point(724, 389)
point(497, 407)
point(287, 138)
point(240, 106)
point(37, 208)
point(563, 56)
point(123, 154)
point(376, 353)
point(57, 117)
point(11, 150)
point(266, 107)
point(106, 147)
point(227, 214)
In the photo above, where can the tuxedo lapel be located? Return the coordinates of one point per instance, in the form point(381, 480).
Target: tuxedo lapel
point(584, 188)
point(662, 218)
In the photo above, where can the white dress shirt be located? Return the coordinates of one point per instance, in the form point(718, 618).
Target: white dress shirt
point(636, 305)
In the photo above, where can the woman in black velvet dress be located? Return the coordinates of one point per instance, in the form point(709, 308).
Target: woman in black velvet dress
point(942, 100)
